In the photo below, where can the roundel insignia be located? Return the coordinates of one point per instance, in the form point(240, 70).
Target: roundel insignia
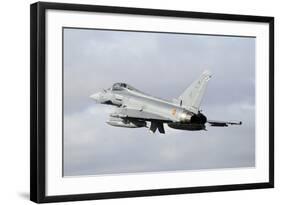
point(174, 111)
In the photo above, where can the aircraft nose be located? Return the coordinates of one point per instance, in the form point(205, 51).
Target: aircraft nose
point(95, 96)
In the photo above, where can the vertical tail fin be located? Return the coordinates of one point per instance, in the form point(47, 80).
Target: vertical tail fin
point(192, 96)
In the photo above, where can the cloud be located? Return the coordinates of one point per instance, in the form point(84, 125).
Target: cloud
point(93, 147)
point(162, 65)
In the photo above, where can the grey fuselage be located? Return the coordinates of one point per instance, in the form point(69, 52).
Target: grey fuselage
point(136, 107)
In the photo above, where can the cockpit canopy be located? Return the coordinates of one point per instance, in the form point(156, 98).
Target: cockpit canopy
point(121, 86)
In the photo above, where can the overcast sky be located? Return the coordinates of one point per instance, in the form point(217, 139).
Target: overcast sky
point(162, 65)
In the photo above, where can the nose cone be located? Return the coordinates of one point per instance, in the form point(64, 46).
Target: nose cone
point(96, 96)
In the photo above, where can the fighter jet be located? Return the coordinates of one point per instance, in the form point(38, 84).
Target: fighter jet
point(136, 109)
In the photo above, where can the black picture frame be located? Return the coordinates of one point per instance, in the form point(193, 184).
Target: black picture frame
point(38, 101)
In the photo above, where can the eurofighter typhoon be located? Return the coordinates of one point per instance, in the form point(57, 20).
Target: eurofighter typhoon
point(135, 109)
